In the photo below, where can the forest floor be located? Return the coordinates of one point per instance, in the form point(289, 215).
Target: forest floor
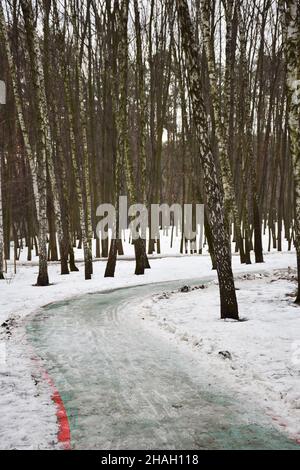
point(259, 357)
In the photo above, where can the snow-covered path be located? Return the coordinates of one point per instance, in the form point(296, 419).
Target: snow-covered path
point(125, 388)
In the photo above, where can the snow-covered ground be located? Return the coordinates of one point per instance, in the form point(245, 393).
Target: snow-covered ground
point(264, 349)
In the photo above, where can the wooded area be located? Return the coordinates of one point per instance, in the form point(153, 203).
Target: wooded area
point(164, 101)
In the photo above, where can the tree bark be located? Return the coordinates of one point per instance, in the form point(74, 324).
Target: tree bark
point(36, 73)
point(292, 19)
point(1, 224)
point(229, 307)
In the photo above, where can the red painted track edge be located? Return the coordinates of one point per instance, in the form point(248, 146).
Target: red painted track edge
point(64, 432)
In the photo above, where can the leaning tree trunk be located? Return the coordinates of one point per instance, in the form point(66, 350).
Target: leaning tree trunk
point(221, 115)
point(40, 119)
point(229, 307)
point(293, 84)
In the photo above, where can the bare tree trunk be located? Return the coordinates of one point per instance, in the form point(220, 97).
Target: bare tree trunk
point(221, 116)
point(78, 185)
point(19, 109)
point(292, 18)
point(1, 224)
point(229, 307)
point(142, 261)
point(33, 50)
point(258, 249)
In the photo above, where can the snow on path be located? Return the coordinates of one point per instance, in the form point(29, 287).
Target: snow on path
point(264, 361)
point(27, 417)
point(124, 388)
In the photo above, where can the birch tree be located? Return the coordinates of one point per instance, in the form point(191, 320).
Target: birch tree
point(292, 18)
point(39, 188)
point(1, 224)
point(229, 307)
point(32, 44)
point(2, 103)
point(221, 114)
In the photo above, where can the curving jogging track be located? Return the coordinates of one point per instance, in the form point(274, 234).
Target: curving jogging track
point(124, 388)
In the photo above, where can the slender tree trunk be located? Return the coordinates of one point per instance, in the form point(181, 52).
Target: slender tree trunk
point(142, 261)
point(1, 224)
point(33, 50)
point(258, 249)
point(292, 17)
point(78, 187)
